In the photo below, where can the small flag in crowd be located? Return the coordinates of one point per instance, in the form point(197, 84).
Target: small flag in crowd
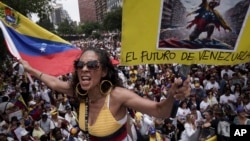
point(20, 103)
point(43, 50)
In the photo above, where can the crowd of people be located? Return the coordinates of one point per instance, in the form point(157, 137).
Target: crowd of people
point(49, 110)
point(219, 97)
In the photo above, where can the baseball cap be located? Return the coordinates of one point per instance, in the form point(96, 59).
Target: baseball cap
point(32, 102)
point(53, 112)
point(152, 130)
point(240, 109)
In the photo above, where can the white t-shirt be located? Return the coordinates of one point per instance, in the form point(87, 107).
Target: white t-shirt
point(214, 85)
point(247, 107)
point(224, 100)
point(45, 95)
point(212, 101)
point(224, 128)
point(182, 113)
point(45, 125)
point(204, 105)
point(188, 132)
point(71, 119)
point(146, 122)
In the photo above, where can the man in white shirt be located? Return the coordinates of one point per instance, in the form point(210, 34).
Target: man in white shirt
point(204, 105)
point(212, 84)
point(70, 116)
point(227, 70)
point(45, 93)
point(45, 123)
point(229, 99)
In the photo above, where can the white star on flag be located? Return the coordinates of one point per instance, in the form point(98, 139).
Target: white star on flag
point(43, 47)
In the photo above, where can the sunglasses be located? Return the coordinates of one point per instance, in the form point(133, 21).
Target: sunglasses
point(91, 65)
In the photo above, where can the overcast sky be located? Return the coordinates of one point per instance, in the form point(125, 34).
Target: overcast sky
point(71, 6)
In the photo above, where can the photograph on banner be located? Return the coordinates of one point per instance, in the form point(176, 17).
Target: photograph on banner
point(212, 32)
point(202, 24)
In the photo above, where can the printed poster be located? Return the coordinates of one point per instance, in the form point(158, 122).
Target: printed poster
point(185, 31)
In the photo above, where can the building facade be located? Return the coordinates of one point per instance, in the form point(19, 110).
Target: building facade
point(101, 9)
point(111, 4)
point(58, 14)
point(87, 11)
point(95, 10)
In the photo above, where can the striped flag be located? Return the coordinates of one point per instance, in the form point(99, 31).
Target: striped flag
point(43, 50)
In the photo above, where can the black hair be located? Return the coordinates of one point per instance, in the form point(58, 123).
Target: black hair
point(44, 116)
point(168, 120)
point(5, 98)
point(44, 137)
point(14, 118)
point(182, 102)
point(3, 136)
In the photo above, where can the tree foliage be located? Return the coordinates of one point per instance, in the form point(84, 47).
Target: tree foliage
point(46, 23)
point(27, 7)
point(89, 27)
point(113, 20)
point(66, 27)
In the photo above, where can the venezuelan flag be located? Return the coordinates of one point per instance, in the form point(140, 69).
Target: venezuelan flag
point(43, 50)
point(20, 103)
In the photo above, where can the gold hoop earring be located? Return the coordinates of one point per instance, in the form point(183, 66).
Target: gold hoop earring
point(78, 92)
point(105, 87)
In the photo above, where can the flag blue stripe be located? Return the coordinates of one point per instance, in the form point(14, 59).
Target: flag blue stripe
point(34, 46)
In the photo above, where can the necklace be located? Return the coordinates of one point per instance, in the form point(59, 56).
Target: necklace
point(86, 118)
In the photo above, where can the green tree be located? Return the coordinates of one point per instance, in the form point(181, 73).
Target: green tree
point(27, 7)
point(46, 23)
point(113, 20)
point(96, 35)
point(67, 27)
point(89, 27)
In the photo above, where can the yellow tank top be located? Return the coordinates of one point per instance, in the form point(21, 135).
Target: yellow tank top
point(105, 123)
